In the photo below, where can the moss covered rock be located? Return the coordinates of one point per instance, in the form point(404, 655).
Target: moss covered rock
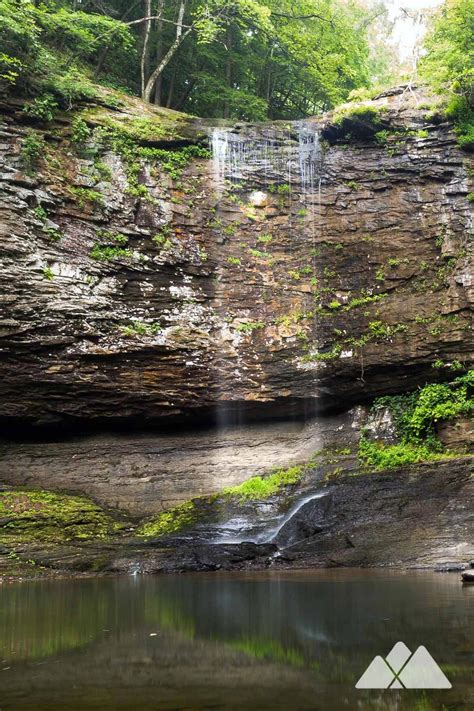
point(49, 517)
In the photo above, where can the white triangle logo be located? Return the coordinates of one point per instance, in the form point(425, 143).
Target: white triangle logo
point(402, 670)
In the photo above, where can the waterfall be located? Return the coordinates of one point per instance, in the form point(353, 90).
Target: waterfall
point(277, 165)
point(239, 157)
point(236, 529)
point(292, 512)
point(310, 158)
point(269, 153)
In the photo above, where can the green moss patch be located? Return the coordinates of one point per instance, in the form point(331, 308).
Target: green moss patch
point(171, 521)
point(49, 517)
point(189, 513)
point(262, 487)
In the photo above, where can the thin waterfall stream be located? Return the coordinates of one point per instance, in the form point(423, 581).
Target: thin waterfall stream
point(256, 162)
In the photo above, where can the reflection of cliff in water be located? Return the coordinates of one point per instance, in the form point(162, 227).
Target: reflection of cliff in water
point(282, 640)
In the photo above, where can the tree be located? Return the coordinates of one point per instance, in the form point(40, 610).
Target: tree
point(449, 63)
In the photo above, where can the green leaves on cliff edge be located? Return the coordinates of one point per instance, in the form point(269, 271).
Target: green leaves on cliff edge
point(415, 416)
point(449, 64)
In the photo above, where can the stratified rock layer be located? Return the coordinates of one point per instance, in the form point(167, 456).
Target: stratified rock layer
point(298, 269)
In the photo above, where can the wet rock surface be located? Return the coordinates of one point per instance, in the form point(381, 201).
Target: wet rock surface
point(145, 473)
point(296, 273)
point(328, 272)
point(414, 517)
point(311, 518)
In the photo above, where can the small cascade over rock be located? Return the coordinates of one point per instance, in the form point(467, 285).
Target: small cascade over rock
point(304, 520)
point(291, 154)
point(311, 157)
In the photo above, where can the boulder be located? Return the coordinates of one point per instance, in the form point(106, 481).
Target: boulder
point(311, 518)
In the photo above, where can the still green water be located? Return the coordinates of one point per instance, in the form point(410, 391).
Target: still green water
point(294, 640)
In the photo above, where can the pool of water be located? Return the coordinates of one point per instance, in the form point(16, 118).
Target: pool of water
point(289, 640)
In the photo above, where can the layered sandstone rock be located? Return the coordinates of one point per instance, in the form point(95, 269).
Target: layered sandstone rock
point(300, 269)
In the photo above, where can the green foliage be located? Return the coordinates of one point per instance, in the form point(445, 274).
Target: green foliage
point(258, 254)
point(379, 456)
point(175, 161)
point(32, 149)
point(382, 137)
point(80, 132)
point(382, 331)
point(138, 328)
point(48, 273)
point(249, 326)
point(234, 261)
point(53, 233)
point(449, 66)
point(162, 241)
point(415, 416)
point(44, 516)
point(237, 62)
point(43, 107)
point(87, 196)
point(35, 59)
point(333, 354)
point(369, 115)
point(116, 237)
point(40, 213)
point(262, 487)
point(107, 254)
point(10, 68)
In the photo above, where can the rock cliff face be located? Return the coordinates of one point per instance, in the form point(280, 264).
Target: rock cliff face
point(158, 272)
point(300, 267)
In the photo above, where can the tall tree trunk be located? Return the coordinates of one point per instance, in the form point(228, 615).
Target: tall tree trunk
point(171, 90)
point(179, 39)
point(159, 53)
point(144, 62)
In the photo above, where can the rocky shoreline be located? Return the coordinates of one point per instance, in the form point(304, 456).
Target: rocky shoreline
point(418, 517)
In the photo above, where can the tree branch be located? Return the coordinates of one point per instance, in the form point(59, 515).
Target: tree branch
point(162, 19)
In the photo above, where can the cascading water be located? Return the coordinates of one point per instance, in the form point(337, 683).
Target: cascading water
point(266, 156)
point(239, 157)
point(286, 161)
point(273, 533)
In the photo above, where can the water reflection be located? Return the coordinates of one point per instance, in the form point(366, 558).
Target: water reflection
point(269, 641)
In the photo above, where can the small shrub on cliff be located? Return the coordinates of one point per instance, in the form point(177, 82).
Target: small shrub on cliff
point(40, 213)
point(249, 326)
point(138, 328)
point(415, 416)
point(85, 196)
point(43, 108)
point(32, 150)
point(107, 254)
point(80, 132)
